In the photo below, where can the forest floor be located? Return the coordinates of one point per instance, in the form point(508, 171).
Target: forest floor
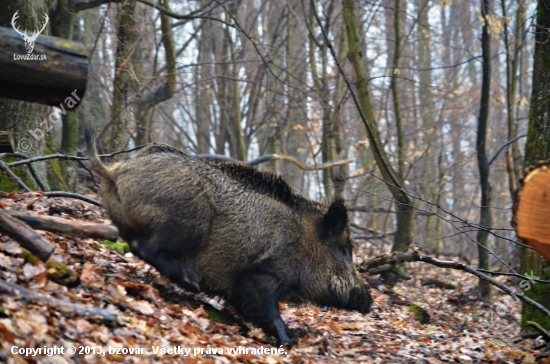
point(166, 325)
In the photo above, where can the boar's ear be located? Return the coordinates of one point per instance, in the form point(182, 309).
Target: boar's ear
point(336, 218)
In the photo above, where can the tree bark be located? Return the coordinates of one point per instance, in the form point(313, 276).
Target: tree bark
point(126, 38)
point(537, 148)
point(20, 117)
point(485, 218)
point(405, 211)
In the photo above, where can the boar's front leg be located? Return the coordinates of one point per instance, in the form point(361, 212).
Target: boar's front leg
point(255, 296)
point(168, 259)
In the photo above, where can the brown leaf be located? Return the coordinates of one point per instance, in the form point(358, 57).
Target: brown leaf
point(335, 327)
point(83, 326)
point(92, 275)
point(6, 334)
point(143, 307)
point(140, 290)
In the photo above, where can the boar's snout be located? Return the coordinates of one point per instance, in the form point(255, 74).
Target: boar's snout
point(360, 299)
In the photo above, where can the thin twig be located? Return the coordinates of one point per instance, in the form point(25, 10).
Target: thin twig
point(73, 195)
point(504, 146)
point(513, 275)
point(541, 331)
point(415, 256)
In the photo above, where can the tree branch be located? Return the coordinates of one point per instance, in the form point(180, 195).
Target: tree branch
point(26, 237)
point(415, 256)
point(505, 145)
point(14, 177)
point(73, 195)
point(94, 314)
point(63, 226)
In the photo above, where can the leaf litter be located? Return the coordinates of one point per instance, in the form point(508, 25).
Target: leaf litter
point(153, 313)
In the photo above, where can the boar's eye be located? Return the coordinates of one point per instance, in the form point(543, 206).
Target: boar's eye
point(345, 251)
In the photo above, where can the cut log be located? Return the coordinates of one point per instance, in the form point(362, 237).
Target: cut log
point(532, 213)
point(63, 226)
point(60, 68)
point(26, 237)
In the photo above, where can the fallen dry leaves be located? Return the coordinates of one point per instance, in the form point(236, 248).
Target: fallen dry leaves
point(152, 313)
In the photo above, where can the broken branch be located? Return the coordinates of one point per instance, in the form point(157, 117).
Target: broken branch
point(26, 237)
point(94, 314)
point(64, 226)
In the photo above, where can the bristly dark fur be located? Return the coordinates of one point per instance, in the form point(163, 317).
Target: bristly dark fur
point(265, 183)
point(228, 230)
point(161, 148)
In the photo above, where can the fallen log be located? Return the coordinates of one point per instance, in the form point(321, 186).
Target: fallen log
point(50, 74)
point(63, 226)
point(94, 314)
point(26, 237)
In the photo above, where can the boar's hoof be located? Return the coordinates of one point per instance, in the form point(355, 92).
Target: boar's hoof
point(286, 345)
point(280, 333)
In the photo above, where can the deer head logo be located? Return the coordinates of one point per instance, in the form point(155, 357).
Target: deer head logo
point(29, 40)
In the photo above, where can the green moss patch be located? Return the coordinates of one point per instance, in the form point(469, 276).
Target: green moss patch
point(117, 246)
point(420, 314)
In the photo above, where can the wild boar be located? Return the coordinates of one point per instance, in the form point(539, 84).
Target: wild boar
point(229, 230)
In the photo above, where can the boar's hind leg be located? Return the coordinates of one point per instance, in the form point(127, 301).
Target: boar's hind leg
point(255, 297)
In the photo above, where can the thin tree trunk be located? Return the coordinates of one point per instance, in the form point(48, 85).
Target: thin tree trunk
point(485, 218)
point(125, 40)
point(405, 212)
point(394, 89)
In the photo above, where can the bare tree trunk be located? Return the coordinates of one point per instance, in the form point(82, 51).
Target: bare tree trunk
point(405, 212)
point(62, 25)
point(162, 93)
point(236, 137)
point(202, 94)
point(485, 218)
point(394, 89)
point(125, 41)
point(512, 58)
point(537, 148)
point(24, 118)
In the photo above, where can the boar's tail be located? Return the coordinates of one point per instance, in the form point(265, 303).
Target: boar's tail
point(96, 164)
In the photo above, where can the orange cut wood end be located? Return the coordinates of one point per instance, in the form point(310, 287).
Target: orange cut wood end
point(533, 213)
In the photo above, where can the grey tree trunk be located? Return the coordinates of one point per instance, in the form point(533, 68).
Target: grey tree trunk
point(485, 218)
point(19, 117)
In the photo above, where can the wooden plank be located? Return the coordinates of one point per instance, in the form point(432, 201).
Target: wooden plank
point(49, 81)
